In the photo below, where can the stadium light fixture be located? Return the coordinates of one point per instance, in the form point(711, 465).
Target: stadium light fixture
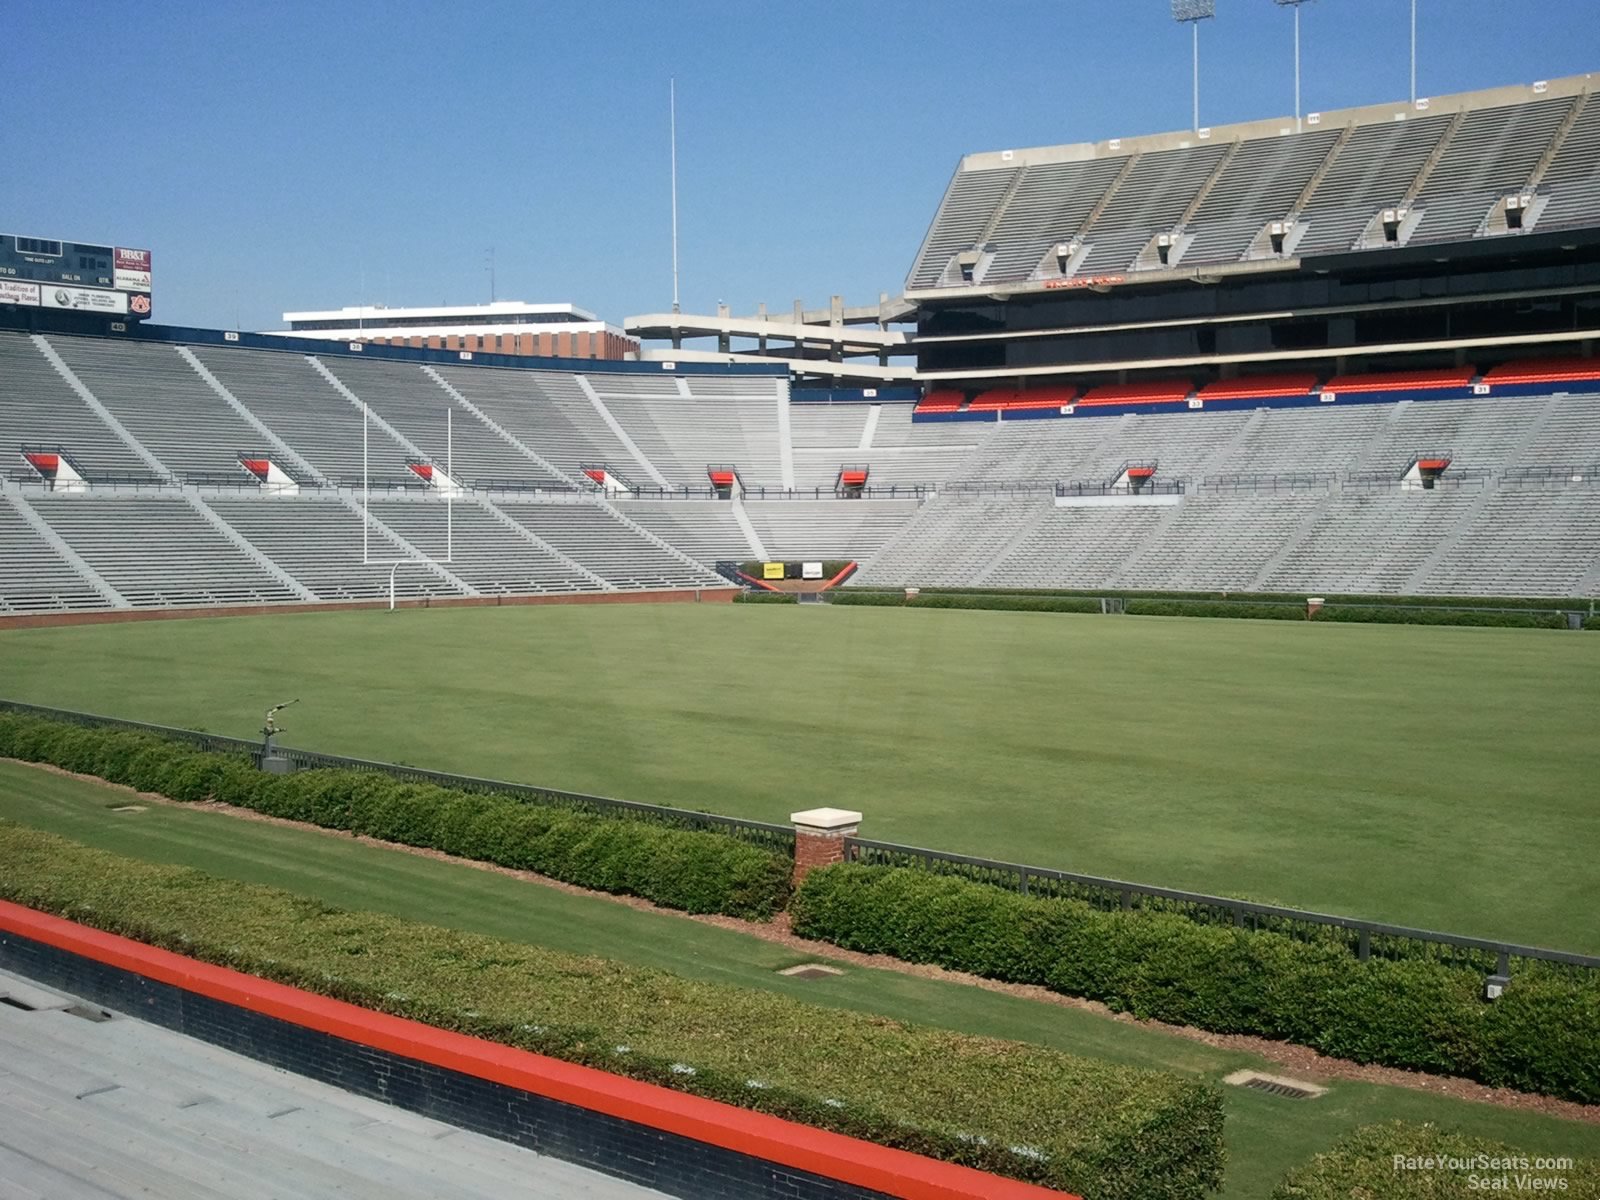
point(1295, 4)
point(1191, 13)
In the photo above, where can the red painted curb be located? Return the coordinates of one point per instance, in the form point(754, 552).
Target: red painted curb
point(849, 570)
point(832, 1155)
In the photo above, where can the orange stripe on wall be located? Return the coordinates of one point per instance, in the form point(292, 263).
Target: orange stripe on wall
point(865, 1164)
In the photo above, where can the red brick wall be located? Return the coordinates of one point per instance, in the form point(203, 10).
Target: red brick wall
point(813, 850)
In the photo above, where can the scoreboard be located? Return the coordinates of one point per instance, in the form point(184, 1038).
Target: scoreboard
point(85, 277)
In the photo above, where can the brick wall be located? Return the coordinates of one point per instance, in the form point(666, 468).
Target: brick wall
point(813, 850)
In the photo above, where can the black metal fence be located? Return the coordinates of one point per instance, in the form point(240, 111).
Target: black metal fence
point(779, 838)
point(1364, 939)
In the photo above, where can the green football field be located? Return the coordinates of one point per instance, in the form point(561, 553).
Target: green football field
point(1440, 777)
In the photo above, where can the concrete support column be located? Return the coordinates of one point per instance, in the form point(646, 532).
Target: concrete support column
point(819, 835)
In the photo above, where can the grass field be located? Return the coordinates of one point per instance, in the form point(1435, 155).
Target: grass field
point(1439, 777)
point(1266, 1135)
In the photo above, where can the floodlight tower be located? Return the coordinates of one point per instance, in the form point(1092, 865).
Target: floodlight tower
point(1295, 4)
point(1191, 13)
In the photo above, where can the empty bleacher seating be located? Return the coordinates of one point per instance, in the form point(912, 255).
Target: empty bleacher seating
point(1449, 162)
point(318, 541)
point(1543, 371)
point(941, 401)
point(1259, 387)
point(416, 407)
point(595, 537)
point(1261, 183)
point(1445, 378)
point(825, 529)
point(1022, 399)
point(35, 577)
point(966, 209)
point(1313, 496)
point(285, 392)
point(1153, 391)
point(548, 413)
point(706, 530)
point(157, 551)
point(160, 399)
point(37, 407)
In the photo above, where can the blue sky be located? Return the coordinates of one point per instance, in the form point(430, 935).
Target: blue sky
point(291, 155)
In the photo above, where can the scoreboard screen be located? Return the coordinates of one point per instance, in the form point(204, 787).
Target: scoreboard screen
point(110, 281)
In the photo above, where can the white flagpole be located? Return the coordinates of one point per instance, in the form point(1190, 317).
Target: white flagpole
point(1413, 51)
point(450, 497)
point(672, 95)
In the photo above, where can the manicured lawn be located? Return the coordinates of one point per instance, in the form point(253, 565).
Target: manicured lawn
point(1266, 1135)
point(1436, 777)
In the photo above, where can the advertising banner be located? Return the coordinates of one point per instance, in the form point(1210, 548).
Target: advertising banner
point(14, 291)
point(811, 570)
point(132, 270)
point(84, 299)
point(772, 570)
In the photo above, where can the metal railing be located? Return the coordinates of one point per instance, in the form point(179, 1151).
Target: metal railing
point(1285, 481)
point(779, 838)
point(1153, 487)
point(888, 491)
point(1556, 473)
point(1368, 482)
point(998, 487)
point(1364, 939)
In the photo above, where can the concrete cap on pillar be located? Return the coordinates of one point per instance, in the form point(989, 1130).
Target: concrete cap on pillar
point(826, 820)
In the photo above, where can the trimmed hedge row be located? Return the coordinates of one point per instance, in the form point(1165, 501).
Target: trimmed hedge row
point(1285, 597)
point(750, 597)
point(946, 600)
point(695, 870)
point(1104, 1131)
point(1543, 1035)
point(1253, 608)
point(1402, 1161)
point(1220, 608)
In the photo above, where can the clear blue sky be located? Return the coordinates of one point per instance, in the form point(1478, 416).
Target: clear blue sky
point(282, 155)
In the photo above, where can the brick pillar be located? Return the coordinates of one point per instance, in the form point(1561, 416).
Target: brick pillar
point(819, 835)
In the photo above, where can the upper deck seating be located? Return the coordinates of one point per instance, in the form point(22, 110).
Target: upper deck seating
point(1543, 370)
point(1150, 391)
point(1260, 387)
point(1402, 381)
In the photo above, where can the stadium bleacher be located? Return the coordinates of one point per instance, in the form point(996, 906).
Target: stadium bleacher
point(1006, 218)
point(1318, 496)
point(399, 394)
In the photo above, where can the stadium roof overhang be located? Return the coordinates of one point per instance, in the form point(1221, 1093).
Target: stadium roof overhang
point(837, 372)
point(843, 339)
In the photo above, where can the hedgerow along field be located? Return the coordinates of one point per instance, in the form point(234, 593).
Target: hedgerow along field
point(1436, 777)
